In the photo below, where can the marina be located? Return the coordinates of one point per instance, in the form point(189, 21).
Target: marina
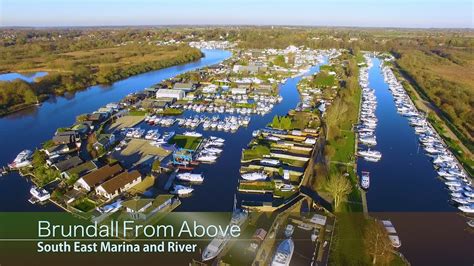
point(203, 140)
point(406, 173)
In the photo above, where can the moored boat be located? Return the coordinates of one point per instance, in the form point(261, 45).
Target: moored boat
point(283, 253)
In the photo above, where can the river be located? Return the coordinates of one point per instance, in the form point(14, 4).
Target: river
point(28, 77)
point(405, 189)
point(29, 128)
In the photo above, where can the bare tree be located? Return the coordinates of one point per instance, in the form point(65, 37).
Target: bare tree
point(339, 187)
point(377, 243)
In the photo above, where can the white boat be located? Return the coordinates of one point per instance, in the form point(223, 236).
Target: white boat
point(471, 223)
point(215, 247)
point(217, 140)
point(370, 155)
point(395, 240)
point(368, 141)
point(39, 194)
point(213, 150)
point(283, 253)
point(254, 176)
point(289, 230)
point(206, 158)
point(21, 160)
point(182, 190)
point(192, 134)
point(273, 138)
point(461, 200)
point(271, 162)
point(314, 236)
point(138, 133)
point(287, 187)
point(190, 177)
point(467, 208)
point(365, 182)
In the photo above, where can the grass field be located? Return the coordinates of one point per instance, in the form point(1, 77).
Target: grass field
point(186, 142)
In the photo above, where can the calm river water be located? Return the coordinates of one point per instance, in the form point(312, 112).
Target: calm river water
point(405, 189)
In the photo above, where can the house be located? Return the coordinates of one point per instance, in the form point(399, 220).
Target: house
point(142, 209)
point(57, 150)
point(104, 141)
point(82, 128)
point(68, 163)
point(66, 137)
point(97, 117)
point(118, 184)
point(79, 170)
point(94, 178)
point(187, 87)
point(170, 93)
point(71, 195)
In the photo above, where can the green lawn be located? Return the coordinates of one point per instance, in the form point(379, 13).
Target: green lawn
point(257, 185)
point(137, 113)
point(256, 152)
point(186, 142)
point(348, 246)
point(172, 112)
point(85, 205)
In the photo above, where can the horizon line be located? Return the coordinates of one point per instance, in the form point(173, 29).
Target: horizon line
point(233, 25)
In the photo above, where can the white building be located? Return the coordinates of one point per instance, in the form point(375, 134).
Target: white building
point(170, 93)
point(239, 91)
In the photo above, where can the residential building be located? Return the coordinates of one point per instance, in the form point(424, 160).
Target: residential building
point(187, 87)
point(142, 209)
point(97, 177)
point(118, 184)
point(80, 170)
point(68, 163)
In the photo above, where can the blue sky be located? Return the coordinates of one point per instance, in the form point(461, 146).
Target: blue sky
point(378, 13)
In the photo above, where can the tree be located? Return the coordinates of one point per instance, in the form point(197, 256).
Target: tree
point(339, 187)
point(377, 244)
point(276, 122)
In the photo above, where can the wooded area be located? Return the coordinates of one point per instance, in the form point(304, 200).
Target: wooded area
point(76, 60)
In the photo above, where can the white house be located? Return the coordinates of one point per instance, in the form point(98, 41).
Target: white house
point(170, 93)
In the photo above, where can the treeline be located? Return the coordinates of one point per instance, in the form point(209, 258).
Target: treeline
point(18, 94)
point(445, 77)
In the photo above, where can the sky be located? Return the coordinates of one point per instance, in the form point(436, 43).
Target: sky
point(361, 13)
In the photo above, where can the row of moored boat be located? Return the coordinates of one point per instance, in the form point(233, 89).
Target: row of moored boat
point(457, 181)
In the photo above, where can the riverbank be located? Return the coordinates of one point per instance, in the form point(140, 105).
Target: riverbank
point(85, 75)
point(406, 173)
point(452, 137)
